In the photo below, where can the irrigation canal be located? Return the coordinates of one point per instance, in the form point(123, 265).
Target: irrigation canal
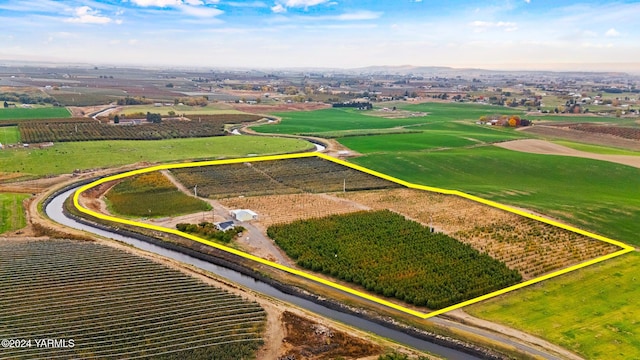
point(54, 211)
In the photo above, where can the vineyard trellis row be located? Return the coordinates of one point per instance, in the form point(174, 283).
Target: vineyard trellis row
point(133, 317)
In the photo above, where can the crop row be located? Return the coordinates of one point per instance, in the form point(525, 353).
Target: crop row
point(112, 316)
point(392, 256)
point(619, 131)
point(65, 131)
point(529, 246)
point(289, 176)
point(151, 195)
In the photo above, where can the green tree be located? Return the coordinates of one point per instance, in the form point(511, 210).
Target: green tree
point(116, 119)
point(154, 118)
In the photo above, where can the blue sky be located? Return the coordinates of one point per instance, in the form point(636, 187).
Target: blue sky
point(509, 34)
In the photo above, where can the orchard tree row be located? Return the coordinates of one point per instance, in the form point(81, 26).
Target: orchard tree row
point(394, 257)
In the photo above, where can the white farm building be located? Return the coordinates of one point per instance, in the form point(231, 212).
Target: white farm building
point(244, 215)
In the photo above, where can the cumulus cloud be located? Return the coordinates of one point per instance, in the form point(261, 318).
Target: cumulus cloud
point(86, 15)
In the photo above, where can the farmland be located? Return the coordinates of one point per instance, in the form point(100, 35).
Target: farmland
point(151, 195)
point(533, 248)
point(211, 109)
point(592, 311)
point(12, 212)
point(112, 305)
point(277, 177)
point(35, 113)
point(392, 256)
point(9, 135)
point(204, 126)
point(575, 190)
point(66, 157)
point(308, 122)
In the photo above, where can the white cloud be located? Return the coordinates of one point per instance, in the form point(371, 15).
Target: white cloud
point(86, 15)
point(481, 26)
point(157, 3)
point(278, 9)
point(200, 11)
point(527, 1)
point(612, 33)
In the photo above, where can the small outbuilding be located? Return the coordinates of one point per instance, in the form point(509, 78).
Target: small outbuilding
point(244, 215)
point(225, 225)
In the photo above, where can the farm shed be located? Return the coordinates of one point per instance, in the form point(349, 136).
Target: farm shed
point(244, 215)
point(225, 225)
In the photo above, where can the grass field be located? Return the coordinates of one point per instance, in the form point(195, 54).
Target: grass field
point(151, 195)
point(595, 195)
point(455, 111)
point(433, 136)
point(35, 113)
point(12, 215)
point(306, 122)
point(595, 149)
point(66, 157)
point(9, 135)
point(592, 311)
point(582, 119)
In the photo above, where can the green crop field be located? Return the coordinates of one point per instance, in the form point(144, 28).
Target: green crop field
point(596, 195)
point(65, 157)
point(596, 149)
point(455, 111)
point(9, 135)
point(35, 113)
point(592, 311)
point(432, 136)
point(151, 195)
point(12, 212)
point(306, 122)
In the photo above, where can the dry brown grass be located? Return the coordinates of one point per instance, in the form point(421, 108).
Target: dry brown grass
point(531, 247)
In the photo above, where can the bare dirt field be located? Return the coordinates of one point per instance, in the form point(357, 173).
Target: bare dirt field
point(559, 132)
point(544, 147)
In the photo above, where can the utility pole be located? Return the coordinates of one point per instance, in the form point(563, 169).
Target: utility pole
point(344, 185)
point(195, 190)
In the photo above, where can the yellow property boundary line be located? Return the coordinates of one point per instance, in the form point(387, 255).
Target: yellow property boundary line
point(625, 248)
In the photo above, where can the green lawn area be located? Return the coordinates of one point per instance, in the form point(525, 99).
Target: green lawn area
point(35, 113)
point(582, 119)
point(151, 195)
point(592, 311)
point(9, 135)
point(12, 215)
point(595, 195)
point(65, 157)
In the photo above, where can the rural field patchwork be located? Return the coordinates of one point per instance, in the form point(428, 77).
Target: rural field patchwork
point(318, 173)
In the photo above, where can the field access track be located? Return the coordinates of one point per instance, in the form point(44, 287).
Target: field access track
point(624, 248)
